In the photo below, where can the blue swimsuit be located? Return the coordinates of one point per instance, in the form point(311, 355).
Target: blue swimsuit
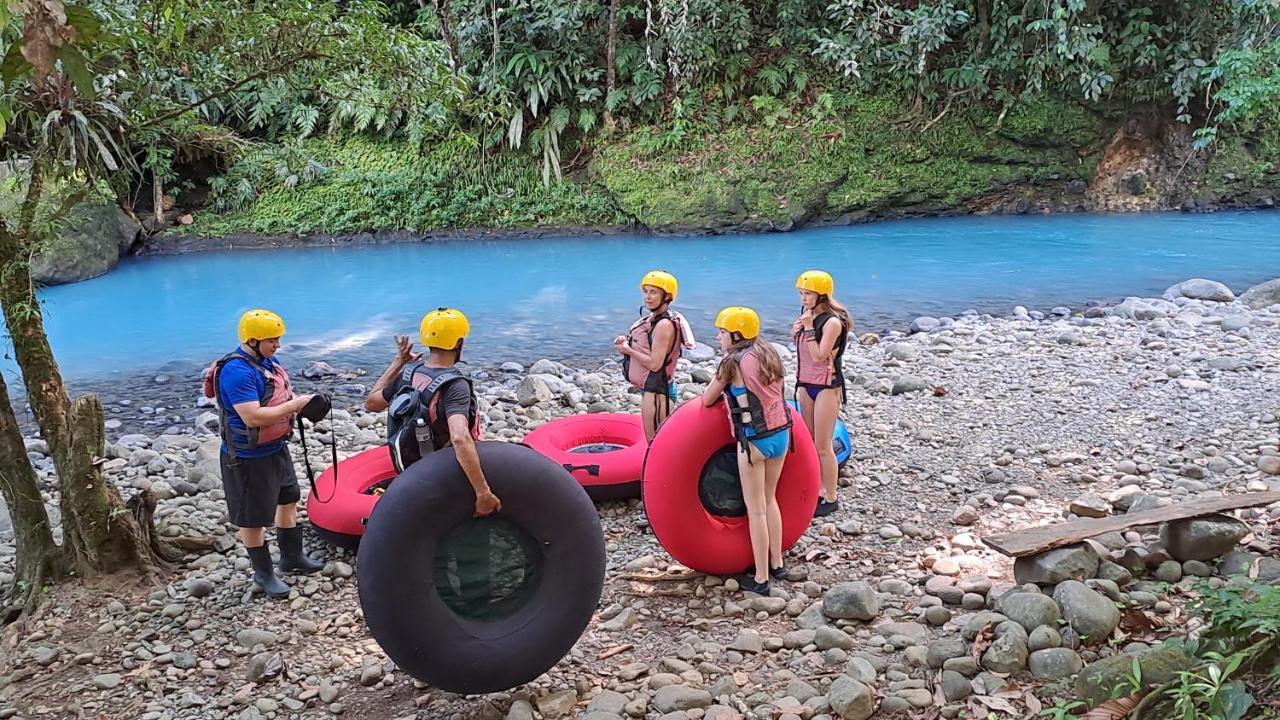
point(772, 446)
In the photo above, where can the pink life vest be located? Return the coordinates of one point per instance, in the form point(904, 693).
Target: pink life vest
point(277, 390)
point(641, 336)
point(765, 411)
point(811, 372)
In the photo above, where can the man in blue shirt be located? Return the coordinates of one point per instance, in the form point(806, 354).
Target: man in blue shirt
point(257, 407)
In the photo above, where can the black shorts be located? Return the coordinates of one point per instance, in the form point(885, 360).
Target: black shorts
point(255, 486)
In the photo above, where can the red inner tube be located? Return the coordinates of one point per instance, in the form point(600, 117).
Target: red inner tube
point(598, 472)
point(677, 493)
point(344, 509)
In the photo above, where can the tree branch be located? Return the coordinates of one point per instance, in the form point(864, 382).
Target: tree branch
point(266, 72)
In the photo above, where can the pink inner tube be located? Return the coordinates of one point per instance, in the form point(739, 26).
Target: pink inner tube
point(339, 513)
point(679, 498)
point(611, 474)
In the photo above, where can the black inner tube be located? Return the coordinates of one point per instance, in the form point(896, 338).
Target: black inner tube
point(719, 487)
point(487, 568)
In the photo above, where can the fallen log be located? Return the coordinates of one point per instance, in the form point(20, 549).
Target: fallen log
point(1046, 537)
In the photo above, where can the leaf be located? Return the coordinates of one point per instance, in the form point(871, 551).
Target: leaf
point(1115, 709)
point(85, 22)
point(14, 65)
point(74, 66)
point(1236, 701)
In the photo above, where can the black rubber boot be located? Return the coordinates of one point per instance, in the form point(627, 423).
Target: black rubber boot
point(264, 575)
point(292, 558)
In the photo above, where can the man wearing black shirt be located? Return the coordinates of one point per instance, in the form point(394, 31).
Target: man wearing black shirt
point(455, 419)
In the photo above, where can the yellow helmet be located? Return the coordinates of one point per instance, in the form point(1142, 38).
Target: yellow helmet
point(660, 279)
point(443, 328)
point(816, 281)
point(260, 325)
point(741, 320)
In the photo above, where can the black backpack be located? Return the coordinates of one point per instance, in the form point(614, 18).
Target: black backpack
point(412, 417)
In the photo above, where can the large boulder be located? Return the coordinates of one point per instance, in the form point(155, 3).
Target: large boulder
point(1263, 295)
point(1200, 289)
point(89, 244)
point(1073, 562)
point(1159, 665)
point(1202, 538)
point(1088, 612)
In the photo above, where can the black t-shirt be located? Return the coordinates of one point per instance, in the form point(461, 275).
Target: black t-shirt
point(455, 396)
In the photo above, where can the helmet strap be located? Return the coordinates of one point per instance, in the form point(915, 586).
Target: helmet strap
point(252, 344)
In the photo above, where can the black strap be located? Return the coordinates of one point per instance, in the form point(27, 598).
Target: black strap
point(333, 454)
point(592, 470)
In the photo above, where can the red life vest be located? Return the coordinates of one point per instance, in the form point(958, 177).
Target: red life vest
point(277, 390)
point(765, 412)
point(641, 336)
point(811, 372)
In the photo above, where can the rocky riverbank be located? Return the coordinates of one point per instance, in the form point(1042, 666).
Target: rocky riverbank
point(963, 427)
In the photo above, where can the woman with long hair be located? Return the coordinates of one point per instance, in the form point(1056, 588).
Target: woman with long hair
point(820, 334)
point(750, 381)
point(651, 348)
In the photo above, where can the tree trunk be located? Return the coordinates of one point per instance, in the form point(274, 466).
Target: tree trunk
point(446, 31)
point(38, 557)
point(611, 50)
point(99, 533)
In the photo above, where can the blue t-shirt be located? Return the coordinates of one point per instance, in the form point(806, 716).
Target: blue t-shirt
point(241, 382)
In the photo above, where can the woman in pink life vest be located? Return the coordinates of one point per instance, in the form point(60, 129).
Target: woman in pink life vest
point(750, 382)
point(651, 348)
point(820, 334)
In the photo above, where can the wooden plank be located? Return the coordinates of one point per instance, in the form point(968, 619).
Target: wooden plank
point(1046, 537)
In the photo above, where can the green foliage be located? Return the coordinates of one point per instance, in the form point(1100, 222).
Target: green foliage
point(862, 162)
point(1063, 709)
point(363, 184)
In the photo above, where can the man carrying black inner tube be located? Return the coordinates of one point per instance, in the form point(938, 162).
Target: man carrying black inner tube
point(432, 404)
point(257, 406)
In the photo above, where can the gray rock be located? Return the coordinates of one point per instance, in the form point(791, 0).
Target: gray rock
point(532, 391)
point(940, 651)
point(1169, 571)
point(1269, 464)
point(924, 323)
point(964, 515)
point(916, 633)
point(1008, 653)
point(107, 681)
point(861, 669)
point(1203, 538)
point(1262, 295)
point(1073, 562)
point(851, 699)
point(680, 697)
point(1091, 506)
point(1117, 574)
point(1054, 663)
point(828, 637)
point(1200, 289)
point(558, 704)
point(909, 383)
point(88, 244)
point(749, 641)
point(371, 673)
point(1042, 638)
point(264, 666)
point(249, 637)
point(520, 710)
point(198, 587)
point(980, 621)
point(1236, 562)
point(955, 687)
point(1158, 665)
point(1030, 610)
point(851, 601)
point(1089, 613)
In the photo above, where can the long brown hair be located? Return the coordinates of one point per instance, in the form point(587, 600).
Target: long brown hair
point(770, 362)
point(839, 310)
